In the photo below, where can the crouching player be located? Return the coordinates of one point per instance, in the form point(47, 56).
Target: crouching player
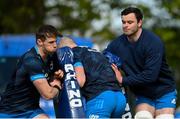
point(98, 82)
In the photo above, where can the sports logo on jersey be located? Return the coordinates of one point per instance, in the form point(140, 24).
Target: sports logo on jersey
point(173, 101)
point(93, 116)
point(46, 75)
point(51, 65)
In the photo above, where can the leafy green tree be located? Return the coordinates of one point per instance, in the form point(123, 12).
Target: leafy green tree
point(171, 37)
point(74, 15)
point(21, 16)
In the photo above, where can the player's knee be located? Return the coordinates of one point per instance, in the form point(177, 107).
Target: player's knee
point(165, 116)
point(143, 115)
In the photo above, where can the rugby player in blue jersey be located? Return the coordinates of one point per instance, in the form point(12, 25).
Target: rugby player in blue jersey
point(98, 82)
point(36, 75)
point(146, 70)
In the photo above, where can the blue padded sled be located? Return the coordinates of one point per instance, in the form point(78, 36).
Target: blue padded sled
point(70, 103)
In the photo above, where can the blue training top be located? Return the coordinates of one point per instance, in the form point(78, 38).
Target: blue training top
point(20, 94)
point(99, 73)
point(144, 65)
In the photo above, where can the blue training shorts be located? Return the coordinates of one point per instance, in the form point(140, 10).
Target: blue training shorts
point(105, 105)
point(166, 101)
point(28, 114)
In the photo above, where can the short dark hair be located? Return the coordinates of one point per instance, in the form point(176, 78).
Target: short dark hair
point(136, 11)
point(47, 31)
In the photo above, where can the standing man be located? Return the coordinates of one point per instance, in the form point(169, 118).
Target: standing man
point(35, 75)
point(144, 64)
point(98, 82)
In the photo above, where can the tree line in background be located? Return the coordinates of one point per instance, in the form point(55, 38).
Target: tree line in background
point(24, 16)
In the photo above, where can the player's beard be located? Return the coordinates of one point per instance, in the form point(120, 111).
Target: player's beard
point(47, 52)
point(131, 33)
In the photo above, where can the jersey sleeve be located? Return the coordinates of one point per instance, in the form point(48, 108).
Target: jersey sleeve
point(34, 68)
point(77, 55)
point(113, 46)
